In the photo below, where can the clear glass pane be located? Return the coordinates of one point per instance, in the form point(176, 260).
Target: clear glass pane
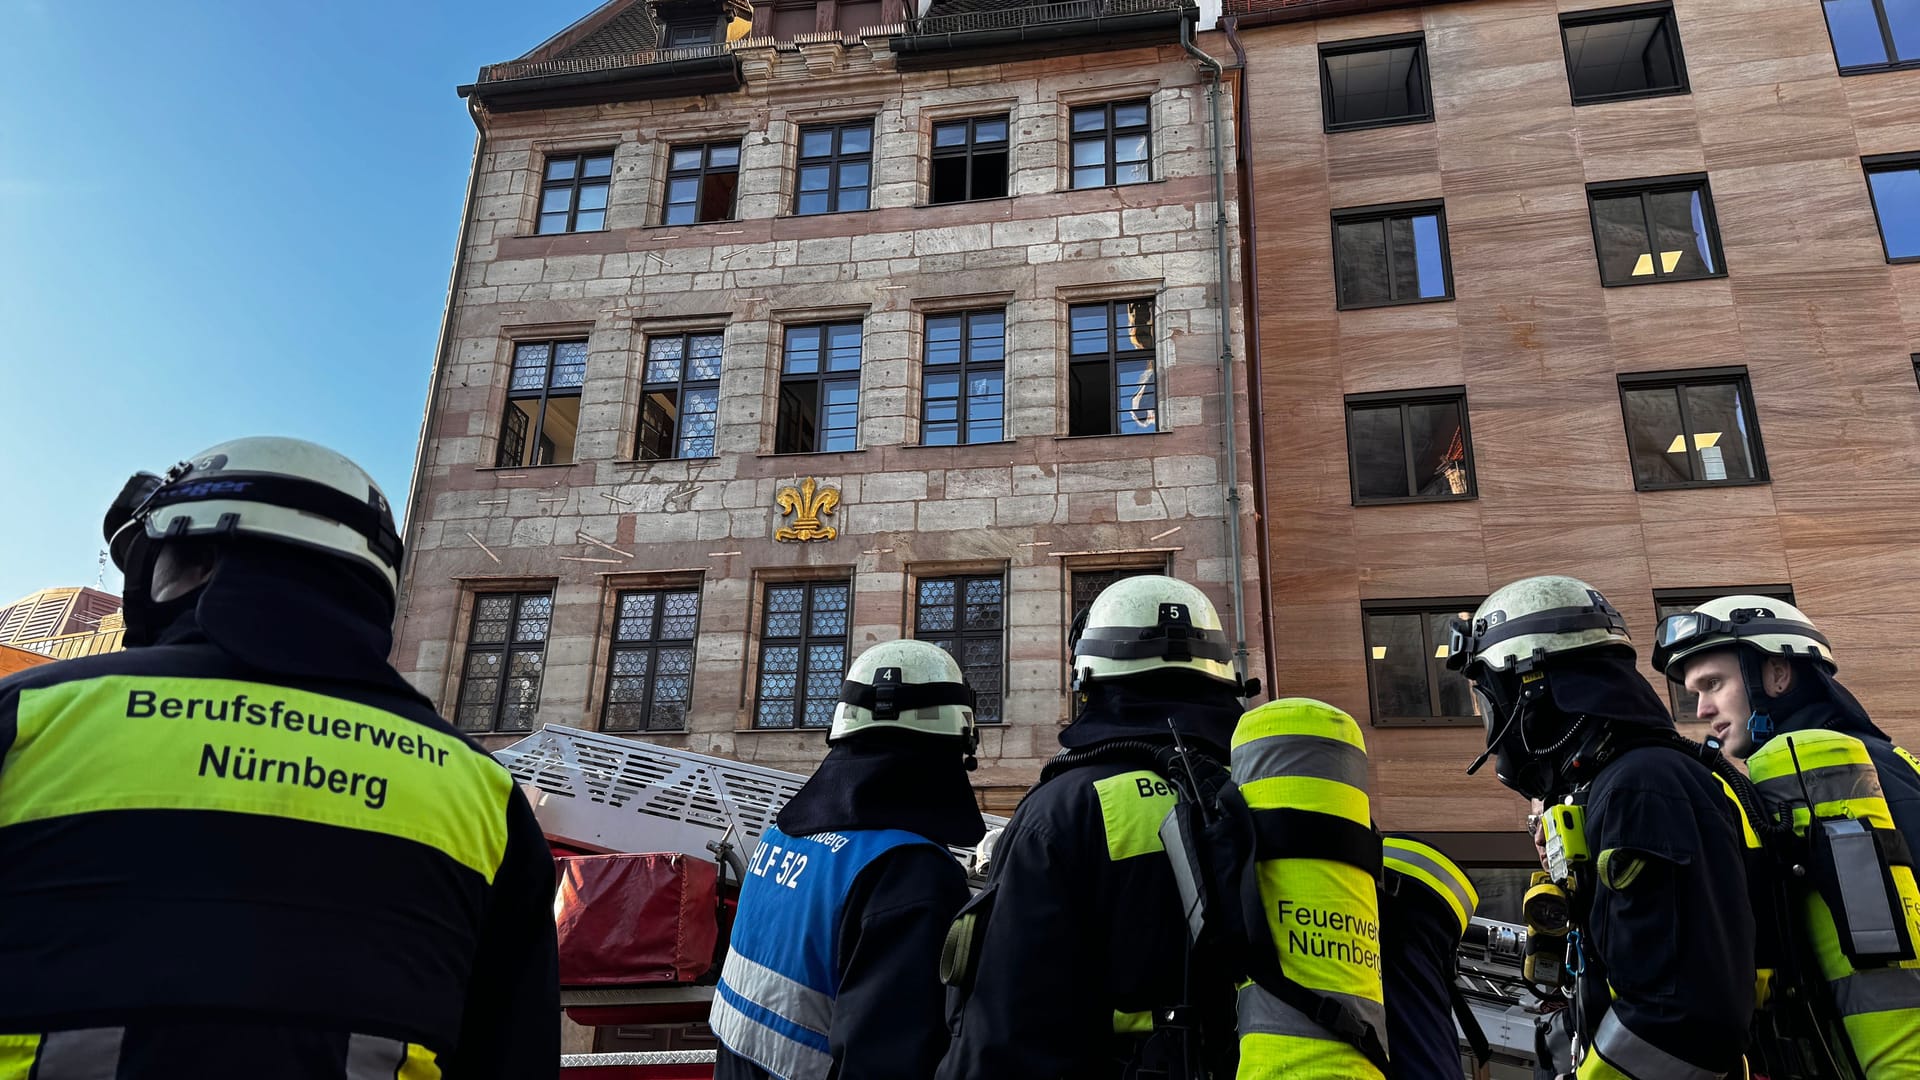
point(552, 223)
point(840, 416)
point(1093, 177)
point(1360, 262)
point(950, 134)
point(530, 366)
point(601, 165)
point(856, 140)
point(853, 174)
point(1439, 449)
point(943, 339)
point(1620, 232)
point(678, 214)
point(556, 200)
point(817, 142)
point(853, 199)
point(1132, 174)
point(560, 168)
point(813, 204)
point(1720, 443)
point(1896, 198)
point(942, 388)
point(1904, 17)
point(1654, 439)
point(987, 337)
point(990, 131)
point(683, 191)
point(1138, 405)
point(802, 354)
point(1620, 57)
point(686, 158)
point(1130, 148)
point(816, 177)
point(843, 347)
point(1680, 234)
point(590, 221)
point(985, 406)
point(1376, 85)
point(1857, 40)
point(1135, 329)
point(722, 157)
point(1397, 663)
point(1131, 114)
point(1093, 119)
point(1379, 452)
point(569, 364)
point(1090, 152)
point(1431, 279)
point(1087, 328)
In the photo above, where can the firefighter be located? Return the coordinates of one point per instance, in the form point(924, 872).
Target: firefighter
point(1663, 942)
point(1762, 668)
point(1426, 905)
point(246, 846)
point(833, 968)
point(1765, 676)
point(1073, 960)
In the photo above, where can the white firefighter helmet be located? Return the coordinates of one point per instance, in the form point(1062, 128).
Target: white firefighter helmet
point(905, 685)
point(1535, 617)
point(1152, 623)
point(269, 488)
point(1771, 626)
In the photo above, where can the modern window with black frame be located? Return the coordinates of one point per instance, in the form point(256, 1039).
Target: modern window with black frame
point(1692, 428)
point(573, 192)
point(1655, 230)
point(506, 657)
point(543, 404)
point(836, 168)
point(1614, 54)
point(969, 160)
point(966, 615)
point(963, 378)
point(1668, 602)
point(1374, 83)
point(1110, 378)
point(1874, 35)
point(1407, 645)
point(1112, 144)
point(1411, 446)
point(680, 395)
point(1893, 181)
point(701, 183)
point(1396, 254)
point(803, 654)
point(650, 664)
point(819, 390)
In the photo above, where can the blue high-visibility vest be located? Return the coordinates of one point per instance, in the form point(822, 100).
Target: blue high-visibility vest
point(774, 1004)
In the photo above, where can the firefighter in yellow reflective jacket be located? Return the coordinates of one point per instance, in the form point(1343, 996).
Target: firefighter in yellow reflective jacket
point(246, 847)
point(1073, 962)
point(1765, 675)
point(1649, 846)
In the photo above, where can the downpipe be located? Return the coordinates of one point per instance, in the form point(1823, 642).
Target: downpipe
point(1230, 418)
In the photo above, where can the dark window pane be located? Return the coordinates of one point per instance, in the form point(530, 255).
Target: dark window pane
point(1896, 198)
point(1375, 85)
point(657, 411)
point(1719, 440)
point(716, 196)
point(949, 180)
point(1089, 400)
point(1396, 651)
point(794, 432)
point(1379, 453)
point(1439, 448)
point(1621, 57)
point(988, 176)
point(1405, 261)
point(1621, 233)
point(1361, 263)
point(1654, 438)
point(1857, 41)
point(1680, 234)
point(1456, 694)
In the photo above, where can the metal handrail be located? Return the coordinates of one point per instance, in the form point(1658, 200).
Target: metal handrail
point(573, 65)
point(1038, 15)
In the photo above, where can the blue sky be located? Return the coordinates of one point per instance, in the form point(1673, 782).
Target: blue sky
point(220, 219)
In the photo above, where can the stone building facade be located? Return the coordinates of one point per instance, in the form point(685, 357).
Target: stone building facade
point(1665, 300)
point(596, 532)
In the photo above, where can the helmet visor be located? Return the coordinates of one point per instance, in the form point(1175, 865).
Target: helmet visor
point(127, 506)
point(1683, 633)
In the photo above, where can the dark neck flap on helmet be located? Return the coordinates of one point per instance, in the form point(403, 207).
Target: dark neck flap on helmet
point(1141, 706)
point(889, 780)
point(1814, 700)
point(1575, 714)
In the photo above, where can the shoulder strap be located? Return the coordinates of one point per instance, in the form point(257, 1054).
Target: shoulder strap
point(1470, 1026)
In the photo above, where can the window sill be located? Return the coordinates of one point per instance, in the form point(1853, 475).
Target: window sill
point(691, 224)
point(964, 202)
point(667, 461)
point(1369, 125)
point(1875, 69)
point(964, 445)
point(1114, 187)
point(1637, 95)
point(572, 232)
point(1695, 485)
point(811, 453)
point(1114, 435)
point(524, 468)
point(826, 213)
point(1447, 299)
point(1418, 500)
point(1604, 283)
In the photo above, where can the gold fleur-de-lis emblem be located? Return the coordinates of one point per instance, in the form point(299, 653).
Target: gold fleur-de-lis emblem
point(808, 503)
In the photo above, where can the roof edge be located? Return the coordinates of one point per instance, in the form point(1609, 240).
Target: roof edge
point(583, 26)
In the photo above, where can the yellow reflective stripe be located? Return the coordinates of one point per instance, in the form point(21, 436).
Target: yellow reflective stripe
point(1887, 1044)
point(1296, 1057)
point(16, 1056)
point(421, 1064)
point(1133, 1023)
point(1751, 838)
point(1297, 716)
point(1434, 870)
point(132, 743)
point(1132, 806)
point(1308, 793)
point(1595, 1067)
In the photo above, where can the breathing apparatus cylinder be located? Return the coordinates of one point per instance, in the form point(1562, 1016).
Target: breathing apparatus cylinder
point(1314, 1010)
point(1857, 903)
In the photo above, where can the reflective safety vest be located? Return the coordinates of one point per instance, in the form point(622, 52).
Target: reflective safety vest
point(1859, 906)
point(1301, 767)
point(774, 1003)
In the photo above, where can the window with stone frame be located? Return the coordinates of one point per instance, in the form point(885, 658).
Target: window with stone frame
point(803, 653)
point(963, 378)
point(836, 168)
point(1112, 144)
point(1111, 388)
point(506, 656)
point(543, 404)
point(573, 192)
point(1667, 602)
point(680, 395)
point(819, 390)
point(969, 159)
point(966, 615)
point(702, 181)
point(650, 667)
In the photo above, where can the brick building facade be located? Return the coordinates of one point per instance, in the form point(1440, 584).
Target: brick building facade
point(966, 282)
